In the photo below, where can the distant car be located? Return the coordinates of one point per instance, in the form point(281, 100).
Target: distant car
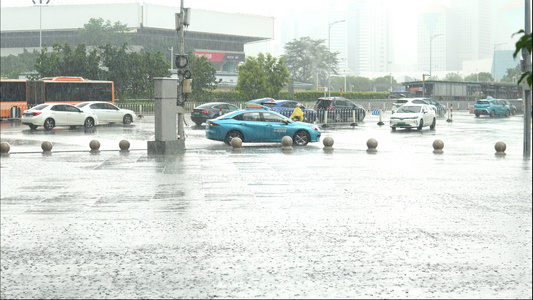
point(338, 109)
point(267, 102)
point(211, 110)
point(107, 112)
point(440, 110)
point(491, 107)
point(50, 115)
point(286, 107)
point(413, 116)
point(511, 106)
point(257, 123)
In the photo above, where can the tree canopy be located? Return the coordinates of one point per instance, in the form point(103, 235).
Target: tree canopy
point(262, 76)
point(100, 32)
point(308, 60)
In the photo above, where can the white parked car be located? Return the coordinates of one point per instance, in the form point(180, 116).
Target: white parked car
point(413, 116)
point(107, 112)
point(50, 115)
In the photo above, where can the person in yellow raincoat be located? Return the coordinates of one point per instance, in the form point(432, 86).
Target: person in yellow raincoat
point(297, 114)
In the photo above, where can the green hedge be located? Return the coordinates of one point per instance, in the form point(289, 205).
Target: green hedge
point(302, 96)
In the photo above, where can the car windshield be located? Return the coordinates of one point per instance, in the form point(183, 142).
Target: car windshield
point(401, 101)
point(409, 109)
point(323, 103)
point(39, 107)
point(482, 102)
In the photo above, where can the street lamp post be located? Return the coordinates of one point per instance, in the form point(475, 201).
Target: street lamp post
point(430, 43)
point(494, 59)
point(329, 55)
point(40, 22)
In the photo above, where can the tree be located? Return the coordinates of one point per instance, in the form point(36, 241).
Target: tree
point(100, 32)
point(11, 66)
point(384, 84)
point(262, 76)
point(307, 60)
point(481, 76)
point(453, 77)
point(203, 78)
point(524, 42)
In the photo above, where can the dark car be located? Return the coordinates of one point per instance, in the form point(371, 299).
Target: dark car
point(286, 107)
point(511, 106)
point(211, 110)
point(338, 109)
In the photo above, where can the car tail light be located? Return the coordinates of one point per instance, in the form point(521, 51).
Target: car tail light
point(35, 113)
point(212, 124)
point(330, 107)
point(205, 111)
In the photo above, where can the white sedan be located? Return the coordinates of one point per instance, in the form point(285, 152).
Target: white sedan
point(413, 116)
point(107, 112)
point(50, 115)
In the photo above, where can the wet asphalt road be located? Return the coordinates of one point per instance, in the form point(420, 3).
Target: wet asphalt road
point(264, 223)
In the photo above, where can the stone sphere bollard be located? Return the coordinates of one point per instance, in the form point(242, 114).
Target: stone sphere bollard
point(372, 144)
point(4, 148)
point(286, 143)
point(437, 146)
point(46, 146)
point(95, 146)
point(328, 143)
point(124, 145)
point(236, 143)
point(500, 148)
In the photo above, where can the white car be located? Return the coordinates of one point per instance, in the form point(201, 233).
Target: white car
point(50, 115)
point(413, 116)
point(404, 101)
point(107, 112)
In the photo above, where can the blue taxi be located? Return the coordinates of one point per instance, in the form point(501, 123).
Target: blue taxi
point(257, 123)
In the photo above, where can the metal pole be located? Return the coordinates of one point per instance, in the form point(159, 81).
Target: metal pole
point(40, 28)
point(181, 100)
point(329, 55)
point(527, 90)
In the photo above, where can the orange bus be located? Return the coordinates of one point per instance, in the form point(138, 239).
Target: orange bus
point(16, 95)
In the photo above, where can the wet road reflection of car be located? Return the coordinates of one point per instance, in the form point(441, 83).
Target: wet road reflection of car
point(50, 115)
point(257, 123)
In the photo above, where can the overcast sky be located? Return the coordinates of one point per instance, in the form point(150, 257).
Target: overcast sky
point(405, 12)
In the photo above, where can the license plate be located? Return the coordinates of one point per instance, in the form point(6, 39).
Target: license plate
point(401, 123)
point(27, 115)
point(196, 113)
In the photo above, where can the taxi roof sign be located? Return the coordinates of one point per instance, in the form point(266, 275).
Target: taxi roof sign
point(256, 106)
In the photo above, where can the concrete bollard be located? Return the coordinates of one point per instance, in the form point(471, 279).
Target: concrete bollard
point(286, 143)
point(437, 146)
point(4, 148)
point(47, 147)
point(328, 143)
point(236, 143)
point(372, 144)
point(95, 146)
point(124, 145)
point(500, 148)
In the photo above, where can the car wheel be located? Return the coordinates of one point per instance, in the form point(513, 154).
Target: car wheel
point(49, 124)
point(393, 128)
point(127, 119)
point(33, 127)
point(477, 114)
point(89, 123)
point(492, 113)
point(231, 135)
point(513, 112)
point(301, 138)
point(420, 125)
point(432, 126)
point(507, 113)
